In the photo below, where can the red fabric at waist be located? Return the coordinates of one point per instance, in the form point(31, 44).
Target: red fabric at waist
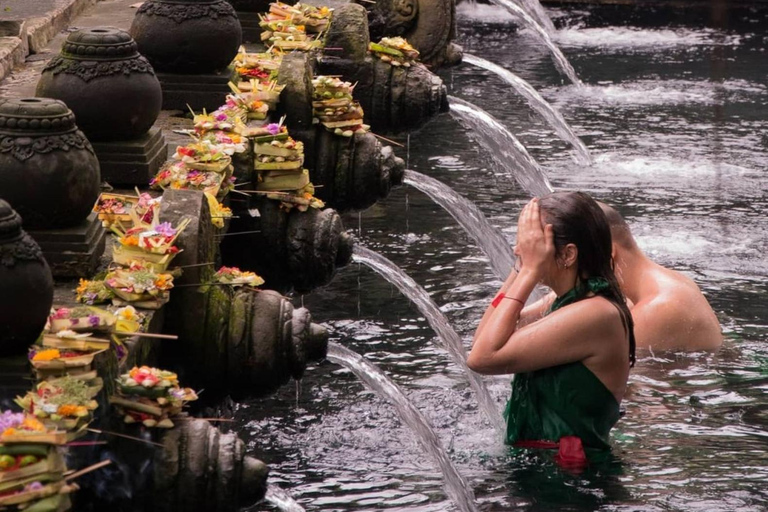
point(570, 451)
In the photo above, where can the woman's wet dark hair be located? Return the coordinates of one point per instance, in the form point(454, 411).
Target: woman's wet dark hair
point(577, 219)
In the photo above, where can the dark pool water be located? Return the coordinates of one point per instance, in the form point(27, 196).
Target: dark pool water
point(675, 112)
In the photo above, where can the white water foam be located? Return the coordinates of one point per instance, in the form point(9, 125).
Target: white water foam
point(653, 92)
point(628, 38)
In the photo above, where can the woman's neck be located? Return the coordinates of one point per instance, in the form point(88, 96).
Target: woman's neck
point(564, 281)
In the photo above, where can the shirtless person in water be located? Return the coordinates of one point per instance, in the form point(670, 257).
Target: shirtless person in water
point(668, 308)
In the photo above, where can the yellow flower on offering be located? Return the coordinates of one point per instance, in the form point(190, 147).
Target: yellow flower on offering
point(82, 287)
point(47, 355)
point(31, 423)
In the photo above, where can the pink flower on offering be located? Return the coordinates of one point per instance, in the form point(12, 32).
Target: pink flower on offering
point(221, 116)
point(273, 128)
point(165, 229)
point(60, 313)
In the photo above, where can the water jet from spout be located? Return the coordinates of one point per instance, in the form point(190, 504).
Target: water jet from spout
point(456, 487)
point(448, 338)
point(508, 153)
point(537, 103)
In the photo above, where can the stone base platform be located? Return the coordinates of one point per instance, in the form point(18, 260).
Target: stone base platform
point(73, 252)
point(132, 162)
point(181, 92)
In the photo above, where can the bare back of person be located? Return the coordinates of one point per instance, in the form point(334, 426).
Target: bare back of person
point(671, 313)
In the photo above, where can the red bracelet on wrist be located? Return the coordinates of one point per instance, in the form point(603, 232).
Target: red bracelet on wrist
point(501, 296)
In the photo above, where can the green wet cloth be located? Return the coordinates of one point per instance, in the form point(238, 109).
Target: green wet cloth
point(565, 400)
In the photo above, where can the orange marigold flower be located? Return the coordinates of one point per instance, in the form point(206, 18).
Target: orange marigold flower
point(68, 410)
point(47, 355)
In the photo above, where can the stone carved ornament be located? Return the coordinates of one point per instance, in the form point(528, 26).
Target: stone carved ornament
point(90, 69)
point(23, 148)
point(182, 12)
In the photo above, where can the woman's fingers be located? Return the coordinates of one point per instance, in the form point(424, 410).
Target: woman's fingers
point(549, 238)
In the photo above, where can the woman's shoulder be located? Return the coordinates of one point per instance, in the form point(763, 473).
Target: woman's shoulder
point(597, 314)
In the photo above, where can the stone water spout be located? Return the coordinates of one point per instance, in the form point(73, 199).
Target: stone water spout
point(429, 25)
point(394, 99)
point(195, 468)
point(289, 249)
point(244, 342)
point(201, 469)
point(352, 172)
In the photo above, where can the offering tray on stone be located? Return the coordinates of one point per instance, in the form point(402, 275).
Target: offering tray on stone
point(139, 286)
point(176, 175)
point(115, 208)
point(150, 396)
point(259, 67)
point(394, 50)
point(268, 92)
point(65, 403)
point(203, 156)
point(233, 276)
point(334, 107)
point(49, 362)
point(153, 244)
point(59, 341)
point(22, 428)
point(35, 495)
point(227, 120)
point(80, 319)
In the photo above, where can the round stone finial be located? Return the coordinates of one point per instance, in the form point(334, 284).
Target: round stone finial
point(35, 116)
point(10, 223)
point(100, 43)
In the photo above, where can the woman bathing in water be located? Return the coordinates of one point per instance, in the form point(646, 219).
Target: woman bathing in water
point(571, 359)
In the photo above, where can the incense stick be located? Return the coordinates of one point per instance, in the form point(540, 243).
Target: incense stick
point(388, 140)
point(239, 233)
point(147, 335)
point(88, 469)
point(116, 434)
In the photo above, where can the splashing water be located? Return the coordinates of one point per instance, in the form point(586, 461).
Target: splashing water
point(488, 237)
point(449, 338)
point(537, 103)
point(456, 487)
point(508, 152)
point(561, 62)
point(281, 499)
point(536, 10)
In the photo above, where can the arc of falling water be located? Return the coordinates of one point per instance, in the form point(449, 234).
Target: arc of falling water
point(450, 340)
point(506, 150)
point(489, 238)
point(561, 62)
point(537, 103)
point(456, 487)
point(536, 10)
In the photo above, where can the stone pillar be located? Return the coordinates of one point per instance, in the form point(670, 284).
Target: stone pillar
point(26, 284)
point(116, 98)
point(191, 44)
point(50, 175)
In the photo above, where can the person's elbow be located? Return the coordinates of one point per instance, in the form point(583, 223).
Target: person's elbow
point(474, 362)
point(480, 362)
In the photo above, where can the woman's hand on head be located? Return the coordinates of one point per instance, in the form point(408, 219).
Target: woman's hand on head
point(535, 243)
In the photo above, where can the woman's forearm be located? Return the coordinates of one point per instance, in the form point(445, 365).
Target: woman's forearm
point(489, 311)
point(501, 323)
